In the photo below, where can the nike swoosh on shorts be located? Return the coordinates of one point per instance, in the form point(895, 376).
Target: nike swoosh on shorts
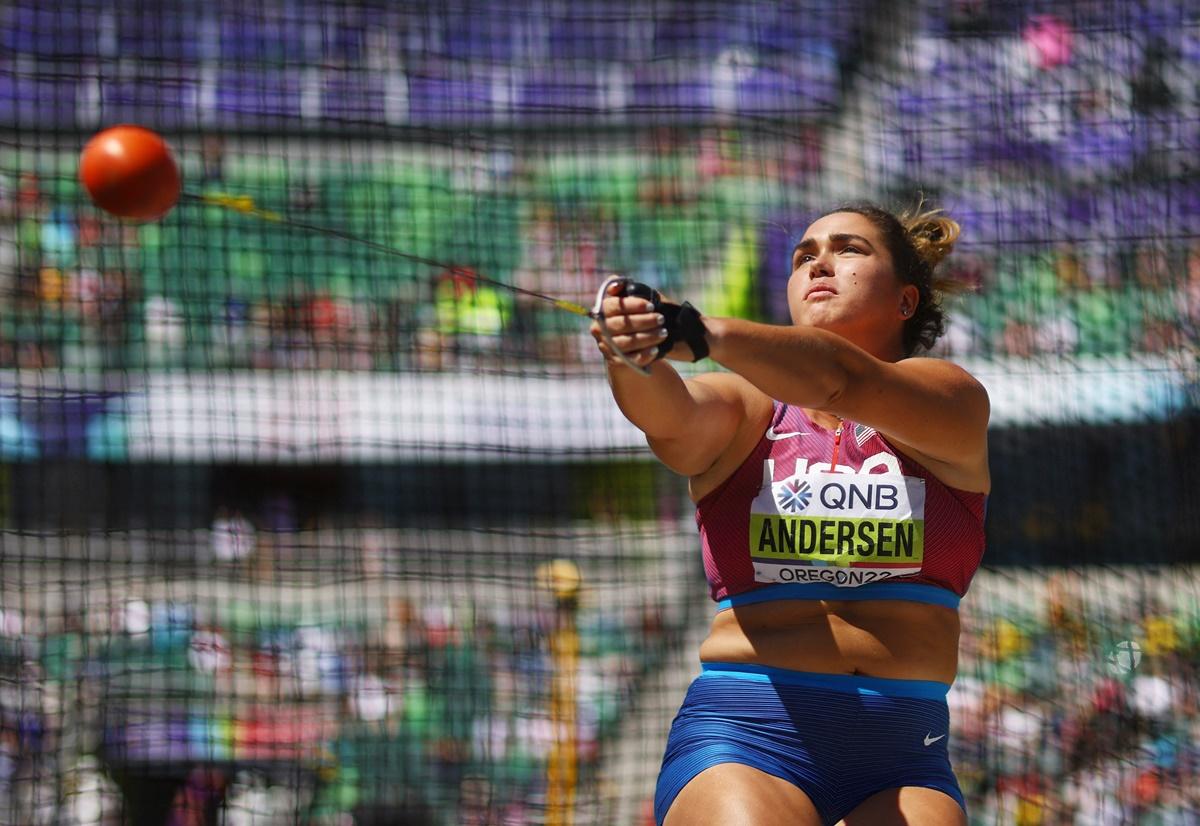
point(929, 741)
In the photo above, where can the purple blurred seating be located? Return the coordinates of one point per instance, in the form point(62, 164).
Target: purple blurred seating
point(1106, 213)
point(1010, 15)
point(599, 36)
point(1184, 204)
point(436, 100)
point(485, 36)
point(247, 97)
point(769, 90)
point(697, 31)
point(995, 147)
point(562, 92)
point(162, 103)
point(46, 31)
point(796, 29)
point(150, 740)
point(334, 33)
point(257, 40)
point(1100, 148)
point(37, 101)
point(673, 88)
point(167, 35)
point(353, 97)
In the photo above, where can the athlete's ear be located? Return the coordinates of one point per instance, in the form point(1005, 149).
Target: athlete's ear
point(910, 296)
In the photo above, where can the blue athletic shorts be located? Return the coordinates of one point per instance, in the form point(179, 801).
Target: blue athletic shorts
point(839, 738)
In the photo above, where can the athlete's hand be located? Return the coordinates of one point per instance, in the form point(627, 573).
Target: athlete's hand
point(636, 328)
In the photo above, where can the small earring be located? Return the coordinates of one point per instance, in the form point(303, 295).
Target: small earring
point(904, 311)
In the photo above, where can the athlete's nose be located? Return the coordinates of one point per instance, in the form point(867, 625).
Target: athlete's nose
point(820, 266)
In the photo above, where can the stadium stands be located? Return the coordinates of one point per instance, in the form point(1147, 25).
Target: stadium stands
point(1062, 138)
point(379, 699)
point(234, 279)
point(400, 698)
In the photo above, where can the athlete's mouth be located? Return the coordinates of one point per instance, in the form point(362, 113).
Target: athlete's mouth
point(819, 289)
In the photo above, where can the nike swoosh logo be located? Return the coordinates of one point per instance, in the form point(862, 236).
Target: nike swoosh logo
point(775, 437)
point(929, 741)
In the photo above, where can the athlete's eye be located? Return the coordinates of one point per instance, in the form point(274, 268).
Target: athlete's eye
point(851, 248)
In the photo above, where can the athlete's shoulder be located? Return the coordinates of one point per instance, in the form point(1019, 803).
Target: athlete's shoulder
point(943, 368)
point(945, 428)
point(951, 380)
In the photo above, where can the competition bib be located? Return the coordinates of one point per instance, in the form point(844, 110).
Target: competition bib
point(840, 528)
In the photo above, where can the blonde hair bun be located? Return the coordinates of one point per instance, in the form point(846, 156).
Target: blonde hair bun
point(932, 233)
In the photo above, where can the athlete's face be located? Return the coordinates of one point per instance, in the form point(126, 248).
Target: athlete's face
point(843, 281)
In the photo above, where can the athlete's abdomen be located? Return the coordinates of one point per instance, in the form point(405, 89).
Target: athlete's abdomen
point(876, 638)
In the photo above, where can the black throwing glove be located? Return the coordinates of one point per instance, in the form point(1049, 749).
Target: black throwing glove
point(682, 321)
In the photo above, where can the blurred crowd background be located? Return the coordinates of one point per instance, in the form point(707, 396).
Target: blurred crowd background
point(196, 639)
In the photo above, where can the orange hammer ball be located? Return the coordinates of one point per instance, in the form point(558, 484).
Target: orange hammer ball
point(129, 171)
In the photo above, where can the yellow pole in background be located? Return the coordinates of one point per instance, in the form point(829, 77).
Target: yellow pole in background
point(561, 577)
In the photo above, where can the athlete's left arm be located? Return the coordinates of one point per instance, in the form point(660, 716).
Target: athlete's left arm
point(930, 405)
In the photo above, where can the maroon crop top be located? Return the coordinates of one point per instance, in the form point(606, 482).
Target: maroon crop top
point(876, 526)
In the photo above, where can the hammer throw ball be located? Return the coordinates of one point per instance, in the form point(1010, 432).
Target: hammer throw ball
point(129, 172)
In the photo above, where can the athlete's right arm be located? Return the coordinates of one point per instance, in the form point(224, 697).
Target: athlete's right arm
point(688, 423)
